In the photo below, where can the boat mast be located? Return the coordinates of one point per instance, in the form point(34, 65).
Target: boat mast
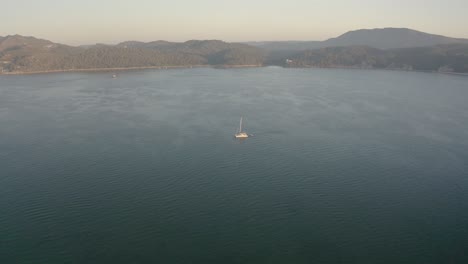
point(240, 125)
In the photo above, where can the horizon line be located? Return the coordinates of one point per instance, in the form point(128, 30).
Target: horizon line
point(219, 39)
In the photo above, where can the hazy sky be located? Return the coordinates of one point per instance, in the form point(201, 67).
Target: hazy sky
point(112, 21)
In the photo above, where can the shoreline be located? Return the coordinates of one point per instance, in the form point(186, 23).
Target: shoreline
point(209, 66)
point(131, 68)
point(378, 69)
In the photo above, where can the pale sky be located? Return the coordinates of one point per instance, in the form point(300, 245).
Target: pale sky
point(111, 21)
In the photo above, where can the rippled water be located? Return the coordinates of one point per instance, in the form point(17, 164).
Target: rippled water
point(344, 167)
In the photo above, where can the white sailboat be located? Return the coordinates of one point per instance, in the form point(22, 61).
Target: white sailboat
point(241, 134)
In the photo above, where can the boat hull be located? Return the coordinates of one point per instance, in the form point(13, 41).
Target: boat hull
point(241, 135)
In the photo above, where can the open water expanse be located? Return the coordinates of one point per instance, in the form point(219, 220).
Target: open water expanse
point(344, 166)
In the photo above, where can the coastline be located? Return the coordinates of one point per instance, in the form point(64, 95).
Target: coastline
point(378, 69)
point(210, 66)
point(131, 68)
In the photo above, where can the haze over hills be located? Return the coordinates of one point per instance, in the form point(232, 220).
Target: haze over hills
point(140, 44)
point(380, 38)
point(388, 48)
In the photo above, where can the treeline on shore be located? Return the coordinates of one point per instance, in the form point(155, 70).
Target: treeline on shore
point(32, 55)
point(28, 54)
point(440, 58)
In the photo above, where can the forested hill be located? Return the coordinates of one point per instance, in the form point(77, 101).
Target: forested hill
point(19, 54)
point(440, 58)
point(29, 54)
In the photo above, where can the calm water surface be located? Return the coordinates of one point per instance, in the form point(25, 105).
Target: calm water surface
point(344, 167)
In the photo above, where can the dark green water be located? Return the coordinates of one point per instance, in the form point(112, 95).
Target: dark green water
point(344, 167)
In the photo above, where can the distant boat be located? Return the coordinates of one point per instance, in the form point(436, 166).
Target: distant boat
point(241, 134)
point(114, 75)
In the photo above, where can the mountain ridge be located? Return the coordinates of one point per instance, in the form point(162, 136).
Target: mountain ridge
point(23, 54)
point(29, 54)
point(381, 38)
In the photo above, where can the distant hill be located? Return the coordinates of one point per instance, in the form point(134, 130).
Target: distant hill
point(381, 38)
point(17, 41)
point(355, 49)
point(139, 44)
point(29, 54)
point(390, 38)
point(354, 57)
point(287, 45)
point(441, 58)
